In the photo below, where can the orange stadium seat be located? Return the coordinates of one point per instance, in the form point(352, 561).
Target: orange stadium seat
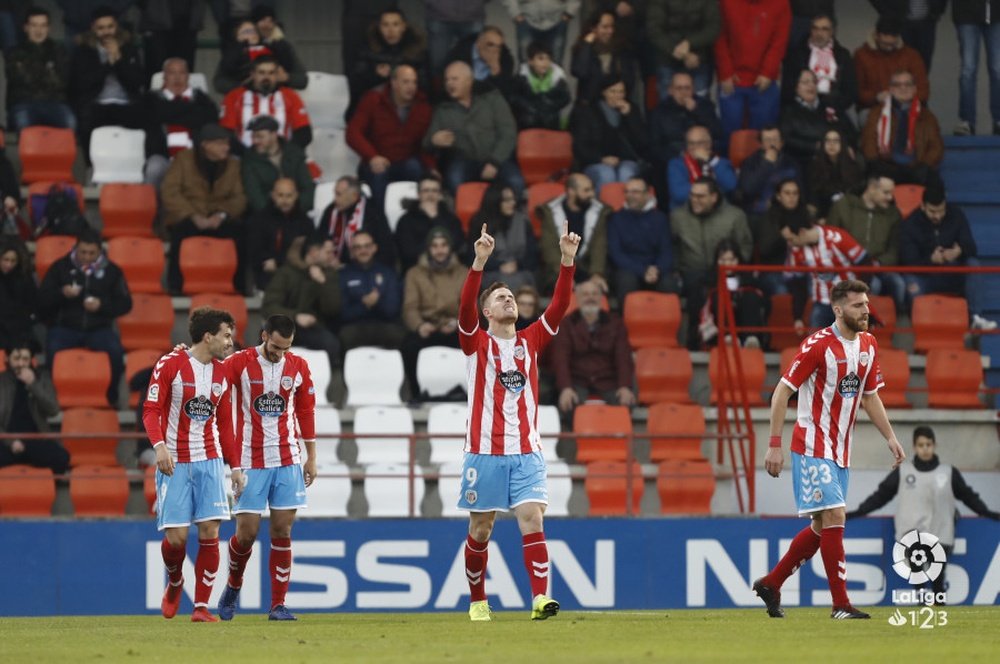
point(613, 195)
point(149, 324)
point(540, 194)
point(47, 153)
point(686, 487)
point(90, 451)
point(142, 261)
point(49, 249)
point(602, 419)
point(895, 366)
point(208, 265)
point(939, 321)
point(81, 378)
point(149, 487)
point(234, 304)
point(468, 198)
point(742, 144)
point(754, 373)
point(663, 374)
point(883, 308)
point(544, 154)
point(127, 209)
point(136, 361)
point(652, 319)
point(98, 490)
point(26, 491)
point(607, 488)
point(781, 316)
point(954, 378)
point(676, 420)
point(3, 360)
point(787, 357)
point(908, 198)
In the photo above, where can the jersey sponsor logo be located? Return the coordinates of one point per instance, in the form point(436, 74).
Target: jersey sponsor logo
point(256, 382)
point(286, 382)
point(513, 380)
point(518, 352)
point(194, 385)
point(270, 404)
point(200, 408)
point(849, 386)
point(217, 389)
point(154, 393)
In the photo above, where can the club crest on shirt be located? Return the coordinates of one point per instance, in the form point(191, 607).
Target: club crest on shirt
point(217, 389)
point(518, 352)
point(199, 408)
point(849, 386)
point(471, 496)
point(286, 382)
point(817, 495)
point(863, 357)
point(269, 404)
point(513, 380)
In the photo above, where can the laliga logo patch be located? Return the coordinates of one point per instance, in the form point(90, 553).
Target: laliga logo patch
point(518, 352)
point(849, 386)
point(154, 393)
point(286, 382)
point(471, 497)
point(918, 557)
point(513, 380)
point(217, 389)
point(269, 405)
point(199, 408)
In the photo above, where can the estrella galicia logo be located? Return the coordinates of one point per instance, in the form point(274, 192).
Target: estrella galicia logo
point(849, 386)
point(269, 404)
point(199, 408)
point(513, 380)
point(918, 557)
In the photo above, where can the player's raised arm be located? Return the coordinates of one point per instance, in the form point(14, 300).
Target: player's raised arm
point(468, 309)
point(569, 243)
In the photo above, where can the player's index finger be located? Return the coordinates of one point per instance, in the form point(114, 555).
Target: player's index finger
point(565, 228)
point(484, 229)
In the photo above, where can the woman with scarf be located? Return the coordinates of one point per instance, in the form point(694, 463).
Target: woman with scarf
point(515, 256)
point(609, 137)
point(834, 171)
point(806, 119)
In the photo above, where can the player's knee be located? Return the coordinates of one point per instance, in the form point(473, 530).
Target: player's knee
point(480, 530)
point(208, 530)
point(176, 537)
point(834, 517)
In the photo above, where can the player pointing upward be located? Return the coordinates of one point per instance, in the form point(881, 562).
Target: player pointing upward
point(504, 468)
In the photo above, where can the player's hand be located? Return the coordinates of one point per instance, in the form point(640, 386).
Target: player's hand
point(309, 471)
point(568, 244)
point(163, 460)
point(239, 482)
point(484, 248)
point(898, 454)
point(774, 460)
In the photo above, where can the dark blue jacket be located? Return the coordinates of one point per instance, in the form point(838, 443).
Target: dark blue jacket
point(759, 178)
point(637, 240)
point(669, 122)
point(357, 281)
point(919, 236)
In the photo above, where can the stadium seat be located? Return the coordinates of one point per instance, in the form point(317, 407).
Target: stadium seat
point(954, 378)
point(380, 420)
point(396, 196)
point(127, 210)
point(754, 373)
point(663, 374)
point(136, 361)
point(142, 261)
point(330, 151)
point(322, 198)
point(560, 485)
point(883, 307)
point(46, 153)
point(908, 198)
point(607, 486)
point(652, 319)
point(742, 144)
point(781, 316)
point(939, 321)
point(544, 154)
point(440, 370)
point(685, 487)
point(149, 324)
point(450, 484)
point(540, 194)
point(326, 97)
point(895, 366)
point(208, 264)
point(373, 376)
point(468, 198)
point(149, 487)
point(3, 360)
point(446, 428)
point(549, 428)
point(26, 491)
point(788, 356)
point(613, 195)
point(49, 249)
point(237, 306)
point(81, 378)
point(196, 80)
point(118, 154)
point(328, 496)
point(327, 424)
point(319, 369)
point(675, 420)
point(90, 451)
point(615, 421)
point(387, 489)
point(98, 490)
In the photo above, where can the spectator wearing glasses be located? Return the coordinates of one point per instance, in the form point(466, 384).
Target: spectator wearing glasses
point(824, 56)
point(698, 161)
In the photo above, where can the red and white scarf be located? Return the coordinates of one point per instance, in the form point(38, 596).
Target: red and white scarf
point(341, 230)
point(824, 65)
point(255, 104)
point(695, 168)
point(885, 129)
point(178, 136)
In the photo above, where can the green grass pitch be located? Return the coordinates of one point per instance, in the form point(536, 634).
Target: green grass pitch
point(742, 635)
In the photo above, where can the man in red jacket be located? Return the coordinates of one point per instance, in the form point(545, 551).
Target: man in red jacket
point(386, 130)
point(748, 56)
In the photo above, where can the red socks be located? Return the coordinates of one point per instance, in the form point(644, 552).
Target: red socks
point(206, 566)
point(803, 547)
point(281, 569)
point(536, 561)
point(832, 548)
point(238, 557)
point(476, 554)
point(173, 559)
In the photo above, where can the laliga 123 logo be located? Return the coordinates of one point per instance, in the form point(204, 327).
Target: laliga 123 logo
point(919, 558)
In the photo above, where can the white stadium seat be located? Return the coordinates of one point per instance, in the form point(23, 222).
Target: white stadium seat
point(440, 369)
point(331, 153)
point(560, 487)
point(327, 423)
point(321, 199)
point(319, 368)
point(326, 97)
point(390, 496)
point(449, 484)
point(395, 195)
point(196, 80)
point(118, 154)
point(380, 420)
point(373, 376)
point(549, 428)
point(330, 492)
point(447, 418)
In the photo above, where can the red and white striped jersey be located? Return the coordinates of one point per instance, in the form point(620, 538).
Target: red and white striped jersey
point(188, 407)
point(830, 374)
point(502, 374)
point(836, 248)
point(242, 105)
point(275, 406)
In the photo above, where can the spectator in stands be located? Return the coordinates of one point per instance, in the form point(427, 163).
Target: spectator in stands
point(426, 212)
point(202, 194)
point(824, 56)
point(392, 42)
point(430, 302)
point(10, 202)
point(938, 235)
point(748, 54)
point(750, 305)
point(514, 260)
point(591, 356)
point(79, 14)
point(803, 12)
point(681, 110)
point(354, 21)
point(788, 209)
point(761, 171)
point(273, 157)
point(609, 136)
point(879, 58)
point(176, 113)
point(351, 212)
point(806, 119)
point(599, 53)
point(587, 217)
point(833, 172)
point(18, 293)
point(387, 129)
point(698, 161)
point(235, 69)
point(273, 229)
point(170, 30)
point(903, 137)
point(491, 61)
point(272, 34)
point(873, 220)
point(542, 22)
point(540, 90)
point(639, 244)
point(474, 133)
point(371, 298)
point(975, 21)
point(698, 228)
point(27, 401)
point(682, 32)
point(264, 95)
point(918, 22)
point(80, 297)
point(448, 21)
point(38, 77)
point(529, 307)
point(309, 295)
point(106, 78)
